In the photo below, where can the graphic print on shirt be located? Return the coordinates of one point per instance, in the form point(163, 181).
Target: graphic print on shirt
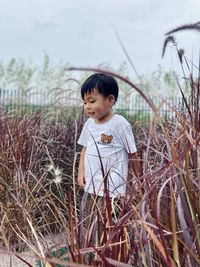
point(105, 139)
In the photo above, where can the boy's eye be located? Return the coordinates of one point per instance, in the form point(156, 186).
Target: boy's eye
point(90, 101)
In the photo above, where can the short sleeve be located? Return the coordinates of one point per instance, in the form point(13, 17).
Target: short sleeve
point(84, 134)
point(127, 138)
point(82, 138)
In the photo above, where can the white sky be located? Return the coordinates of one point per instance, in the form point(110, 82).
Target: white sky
point(80, 31)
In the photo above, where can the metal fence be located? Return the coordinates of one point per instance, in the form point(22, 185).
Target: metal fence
point(166, 107)
point(58, 98)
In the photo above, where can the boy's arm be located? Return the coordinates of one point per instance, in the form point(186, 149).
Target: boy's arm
point(134, 164)
point(81, 179)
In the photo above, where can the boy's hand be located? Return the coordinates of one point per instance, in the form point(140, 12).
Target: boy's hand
point(81, 182)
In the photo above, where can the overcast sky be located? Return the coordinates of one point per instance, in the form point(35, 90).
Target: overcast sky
point(80, 31)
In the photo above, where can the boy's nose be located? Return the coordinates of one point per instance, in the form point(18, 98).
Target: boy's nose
point(87, 107)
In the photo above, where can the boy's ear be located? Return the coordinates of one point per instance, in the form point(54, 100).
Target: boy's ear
point(111, 99)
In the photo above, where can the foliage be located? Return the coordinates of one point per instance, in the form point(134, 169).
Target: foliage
point(33, 168)
point(23, 75)
point(160, 82)
point(48, 85)
point(55, 254)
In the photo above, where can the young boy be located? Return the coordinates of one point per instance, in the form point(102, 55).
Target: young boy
point(107, 139)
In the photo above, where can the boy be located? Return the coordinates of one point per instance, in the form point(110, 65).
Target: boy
point(107, 140)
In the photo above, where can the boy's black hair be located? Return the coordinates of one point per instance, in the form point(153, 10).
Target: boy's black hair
point(104, 84)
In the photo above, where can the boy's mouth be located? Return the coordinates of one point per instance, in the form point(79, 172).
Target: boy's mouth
point(91, 113)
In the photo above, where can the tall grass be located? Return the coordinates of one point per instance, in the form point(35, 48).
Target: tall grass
point(36, 160)
point(156, 224)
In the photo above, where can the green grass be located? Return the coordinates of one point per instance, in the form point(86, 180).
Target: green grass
point(55, 254)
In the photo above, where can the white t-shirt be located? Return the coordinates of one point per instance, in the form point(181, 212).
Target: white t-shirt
point(106, 156)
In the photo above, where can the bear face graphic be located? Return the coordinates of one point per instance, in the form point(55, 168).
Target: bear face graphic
point(106, 139)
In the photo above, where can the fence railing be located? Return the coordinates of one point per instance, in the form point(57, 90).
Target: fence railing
point(166, 107)
point(32, 100)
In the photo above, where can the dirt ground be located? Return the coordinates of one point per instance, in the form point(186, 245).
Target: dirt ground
point(12, 261)
point(7, 260)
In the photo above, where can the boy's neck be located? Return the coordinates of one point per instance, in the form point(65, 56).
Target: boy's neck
point(105, 118)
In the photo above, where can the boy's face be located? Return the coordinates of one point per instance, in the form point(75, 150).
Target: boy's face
point(97, 106)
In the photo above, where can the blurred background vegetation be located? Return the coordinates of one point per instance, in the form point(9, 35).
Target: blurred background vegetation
point(25, 89)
